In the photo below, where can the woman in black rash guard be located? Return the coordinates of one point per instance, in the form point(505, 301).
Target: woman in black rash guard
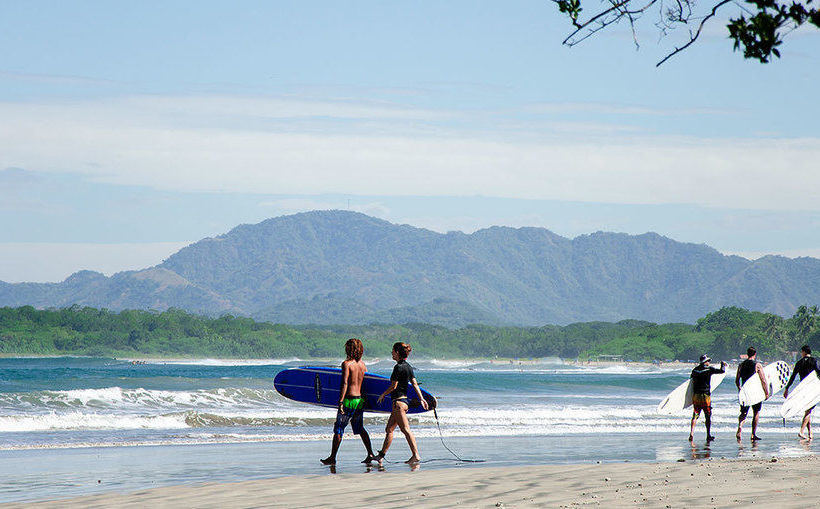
point(401, 379)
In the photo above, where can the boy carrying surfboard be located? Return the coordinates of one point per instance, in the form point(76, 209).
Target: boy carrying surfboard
point(351, 402)
point(702, 394)
point(746, 370)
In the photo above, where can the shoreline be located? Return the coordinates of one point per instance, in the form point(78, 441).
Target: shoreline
point(786, 482)
point(500, 361)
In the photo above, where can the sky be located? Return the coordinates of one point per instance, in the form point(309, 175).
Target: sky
point(130, 130)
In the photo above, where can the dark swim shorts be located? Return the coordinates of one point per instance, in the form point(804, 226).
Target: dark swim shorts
point(745, 410)
point(701, 402)
point(353, 414)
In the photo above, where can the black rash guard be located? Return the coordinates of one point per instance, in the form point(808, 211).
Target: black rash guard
point(402, 373)
point(746, 370)
point(804, 367)
point(702, 377)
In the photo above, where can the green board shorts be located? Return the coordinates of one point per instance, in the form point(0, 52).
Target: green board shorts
point(353, 414)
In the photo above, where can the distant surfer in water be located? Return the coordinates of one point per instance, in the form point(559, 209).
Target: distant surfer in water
point(702, 394)
point(351, 402)
point(401, 378)
point(745, 371)
point(804, 367)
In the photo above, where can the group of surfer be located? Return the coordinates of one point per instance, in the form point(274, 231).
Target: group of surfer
point(701, 390)
point(351, 402)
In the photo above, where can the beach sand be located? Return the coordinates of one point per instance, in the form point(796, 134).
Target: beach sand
point(787, 482)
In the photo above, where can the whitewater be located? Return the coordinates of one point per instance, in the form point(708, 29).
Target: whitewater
point(120, 401)
point(225, 417)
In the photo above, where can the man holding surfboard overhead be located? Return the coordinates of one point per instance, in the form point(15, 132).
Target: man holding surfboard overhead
point(351, 402)
point(746, 370)
point(702, 394)
point(805, 367)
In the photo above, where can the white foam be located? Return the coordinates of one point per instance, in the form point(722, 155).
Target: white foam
point(117, 398)
point(450, 364)
point(87, 421)
point(215, 439)
point(118, 408)
point(314, 423)
point(220, 362)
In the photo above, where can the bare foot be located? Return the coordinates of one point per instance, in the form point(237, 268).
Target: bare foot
point(413, 460)
point(801, 435)
point(369, 459)
point(691, 438)
point(328, 461)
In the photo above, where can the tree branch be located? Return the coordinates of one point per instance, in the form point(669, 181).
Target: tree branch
point(693, 38)
point(616, 7)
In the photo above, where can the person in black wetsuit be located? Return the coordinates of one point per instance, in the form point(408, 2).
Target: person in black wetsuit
point(804, 367)
point(746, 370)
point(702, 394)
point(400, 380)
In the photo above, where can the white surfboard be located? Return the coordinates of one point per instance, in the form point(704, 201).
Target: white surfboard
point(681, 398)
point(803, 397)
point(777, 375)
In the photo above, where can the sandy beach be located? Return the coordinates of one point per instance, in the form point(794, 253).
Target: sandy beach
point(215, 433)
point(787, 482)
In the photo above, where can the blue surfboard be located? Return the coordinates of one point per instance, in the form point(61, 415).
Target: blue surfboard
point(320, 386)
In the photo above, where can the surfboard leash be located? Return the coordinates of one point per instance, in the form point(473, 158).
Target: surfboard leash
point(441, 437)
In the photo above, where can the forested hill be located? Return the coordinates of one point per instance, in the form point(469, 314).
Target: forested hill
point(345, 267)
point(724, 334)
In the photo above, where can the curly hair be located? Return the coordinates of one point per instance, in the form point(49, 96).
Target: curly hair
point(354, 349)
point(403, 349)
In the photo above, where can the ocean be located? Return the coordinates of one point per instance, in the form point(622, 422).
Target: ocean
point(72, 426)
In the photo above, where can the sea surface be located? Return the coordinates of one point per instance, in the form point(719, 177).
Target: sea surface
point(72, 426)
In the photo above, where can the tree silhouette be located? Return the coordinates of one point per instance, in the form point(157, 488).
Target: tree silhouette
point(759, 36)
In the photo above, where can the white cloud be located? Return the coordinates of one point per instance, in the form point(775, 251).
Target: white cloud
point(55, 78)
point(52, 261)
point(142, 141)
point(616, 109)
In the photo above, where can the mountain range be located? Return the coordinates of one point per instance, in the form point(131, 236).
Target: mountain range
point(344, 267)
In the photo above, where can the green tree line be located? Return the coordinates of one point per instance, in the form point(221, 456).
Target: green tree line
point(175, 333)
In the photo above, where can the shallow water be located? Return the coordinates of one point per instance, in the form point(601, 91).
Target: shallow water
point(66, 423)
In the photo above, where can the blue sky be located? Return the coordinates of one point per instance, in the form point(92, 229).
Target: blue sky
point(130, 130)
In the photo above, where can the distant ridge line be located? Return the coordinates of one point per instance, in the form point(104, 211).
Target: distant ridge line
point(341, 266)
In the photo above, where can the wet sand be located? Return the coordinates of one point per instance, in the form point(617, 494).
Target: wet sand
point(788, 482)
